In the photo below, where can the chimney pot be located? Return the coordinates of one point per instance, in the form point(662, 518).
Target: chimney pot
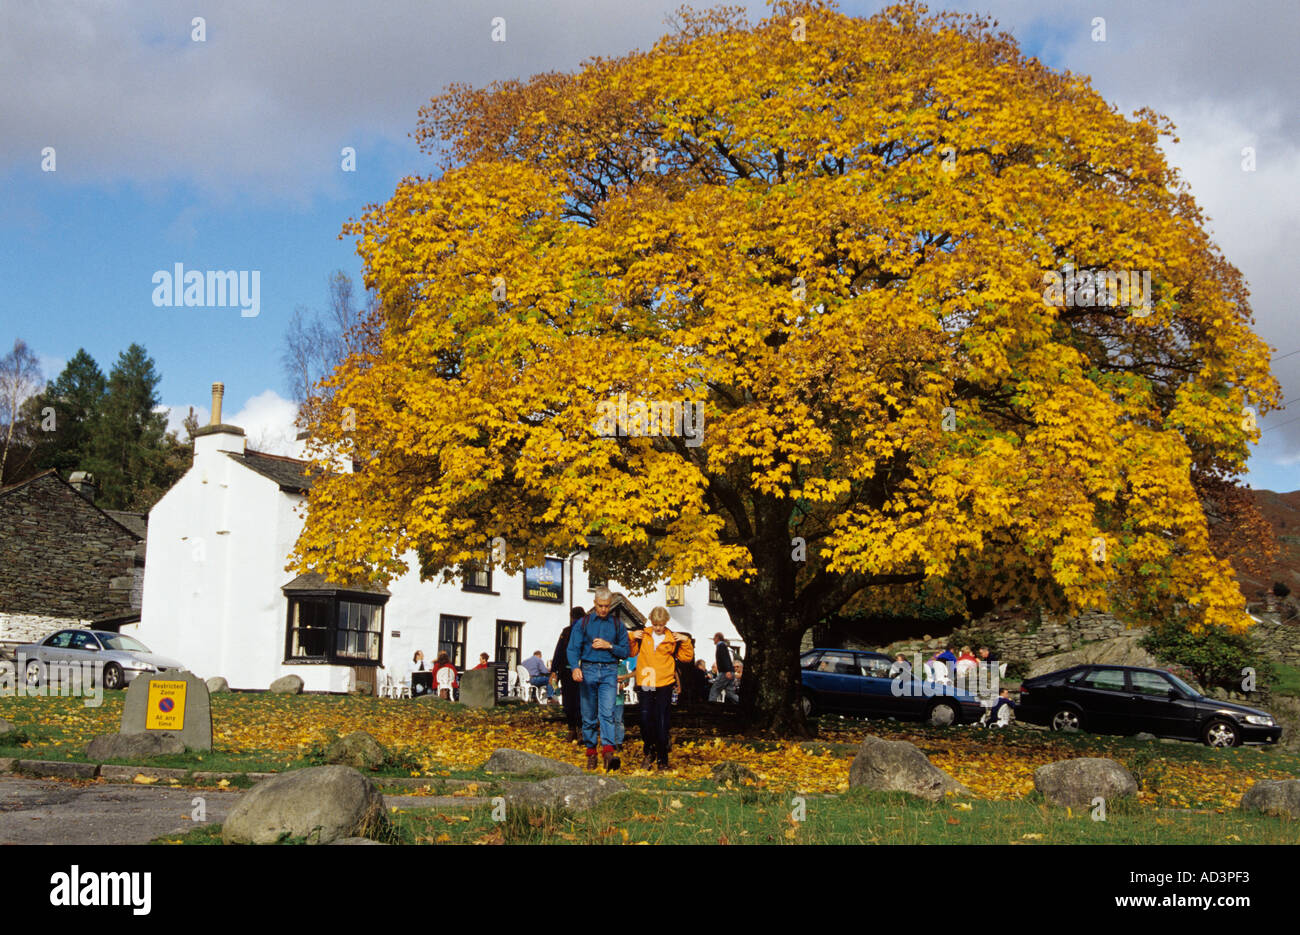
point(218, 391)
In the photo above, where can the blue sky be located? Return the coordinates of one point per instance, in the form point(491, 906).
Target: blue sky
point(225, 154)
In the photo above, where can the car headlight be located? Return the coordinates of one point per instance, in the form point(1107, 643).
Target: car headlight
point(1263, 720)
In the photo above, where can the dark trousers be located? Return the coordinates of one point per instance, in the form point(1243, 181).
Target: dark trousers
point(656, 705)
point(572, 699)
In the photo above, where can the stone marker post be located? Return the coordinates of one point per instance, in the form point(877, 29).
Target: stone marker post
point(478, 688)
point(173, 702)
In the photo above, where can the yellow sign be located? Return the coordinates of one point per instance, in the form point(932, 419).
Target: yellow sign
point(166, 706)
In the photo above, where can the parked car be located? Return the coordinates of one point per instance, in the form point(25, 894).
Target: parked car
point(849, 681)
point(1128, 699)
point(123, 657)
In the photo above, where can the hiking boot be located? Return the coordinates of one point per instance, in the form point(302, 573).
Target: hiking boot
point(591, 759)
point(614, 763)
point(647, 762)
point(607, 757)
point(573, 734)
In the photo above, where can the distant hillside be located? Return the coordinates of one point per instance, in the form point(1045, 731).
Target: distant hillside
point(1282, 512)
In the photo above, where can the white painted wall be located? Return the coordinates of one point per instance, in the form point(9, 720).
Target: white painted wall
point(218, 541)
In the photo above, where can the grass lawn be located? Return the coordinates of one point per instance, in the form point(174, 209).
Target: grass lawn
point(440, 742)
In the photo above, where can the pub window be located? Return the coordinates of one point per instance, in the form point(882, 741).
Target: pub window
point(510, 640)
point(595, 578)
point(478, 576)
point(335, 628)
point(451, 639)
point(715, 596)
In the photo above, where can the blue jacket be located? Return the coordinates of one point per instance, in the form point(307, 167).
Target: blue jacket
point(607, 628)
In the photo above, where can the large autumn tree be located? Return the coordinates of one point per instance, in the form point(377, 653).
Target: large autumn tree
point(833, 233)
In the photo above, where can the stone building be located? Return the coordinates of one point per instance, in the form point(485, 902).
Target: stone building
point(64, 562)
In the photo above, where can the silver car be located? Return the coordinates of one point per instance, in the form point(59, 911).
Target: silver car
point(122, 657)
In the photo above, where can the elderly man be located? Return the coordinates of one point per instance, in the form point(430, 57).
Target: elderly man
point(539, 674)
point(596, 644)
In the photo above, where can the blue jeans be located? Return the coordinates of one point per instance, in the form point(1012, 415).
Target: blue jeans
point(540, 680)
point(598, 687)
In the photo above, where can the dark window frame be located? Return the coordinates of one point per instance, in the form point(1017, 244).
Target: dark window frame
point(502, 648)
point(715, 596)
point(475, 567)
point(457, 651)
point(333, 601)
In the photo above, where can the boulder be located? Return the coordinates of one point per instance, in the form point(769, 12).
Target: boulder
point(321, 804)
point(358, 750)
point(478, 688)
point(130, 746)
point(575, 793)
point(1143, 735)
point(287, 685)
point(1075, 783)
point(217, 684)
point(733, 772)
point(896, 765)
point(356, 841)
point(506, 760)
point(1280, 798)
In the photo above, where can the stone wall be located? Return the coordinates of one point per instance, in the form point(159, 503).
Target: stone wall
point(61, 557)
point(1016, 638)
point(27, 628)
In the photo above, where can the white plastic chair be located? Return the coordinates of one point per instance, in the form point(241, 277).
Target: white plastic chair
point(527, 690)
point(445, 679)
point(388, 689)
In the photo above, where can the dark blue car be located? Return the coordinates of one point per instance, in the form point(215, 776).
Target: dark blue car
point(857, 682)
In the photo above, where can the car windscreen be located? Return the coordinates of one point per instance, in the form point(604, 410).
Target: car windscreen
point(118, 641)
point(1181, 685)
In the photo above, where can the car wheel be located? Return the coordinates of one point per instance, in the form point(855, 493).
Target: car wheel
point(1221, 733)
point(1067, 719)
point(34, 674)
point(113, 676)
point(809, 706)
point(942, 714)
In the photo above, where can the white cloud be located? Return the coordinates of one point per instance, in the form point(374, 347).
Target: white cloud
point(267, 421)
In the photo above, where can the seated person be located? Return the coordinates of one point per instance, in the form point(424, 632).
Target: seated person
point(539, 674)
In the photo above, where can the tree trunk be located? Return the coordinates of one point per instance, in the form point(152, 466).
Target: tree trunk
point(770, 689)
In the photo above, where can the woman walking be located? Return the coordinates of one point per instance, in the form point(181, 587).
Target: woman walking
point(658, 652)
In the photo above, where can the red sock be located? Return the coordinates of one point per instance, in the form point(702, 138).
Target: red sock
point(607, 749)
point(591, 751)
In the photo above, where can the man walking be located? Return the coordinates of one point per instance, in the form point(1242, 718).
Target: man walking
point(725, 682)
point(596, 644)
point(569, 695)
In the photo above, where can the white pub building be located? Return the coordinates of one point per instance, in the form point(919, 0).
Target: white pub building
point(216, 595)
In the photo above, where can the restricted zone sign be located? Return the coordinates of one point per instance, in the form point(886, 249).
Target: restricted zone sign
point(166, 709)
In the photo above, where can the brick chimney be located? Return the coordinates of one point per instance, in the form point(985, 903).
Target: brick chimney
point(217, 435)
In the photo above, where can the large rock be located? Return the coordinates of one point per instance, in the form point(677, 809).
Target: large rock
point(172, 702)
point(1119, 651)
point(321, 804)
point(506, 760)
point(217, 684)
point(478, 688)
point(1281, 798)
point(575, 793)
point(896, 765)
point(287, 685)
point(131, 746)
point(358, 750)
point(1076, 783)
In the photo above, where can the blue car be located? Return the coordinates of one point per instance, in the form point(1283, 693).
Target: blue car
point(857, 682)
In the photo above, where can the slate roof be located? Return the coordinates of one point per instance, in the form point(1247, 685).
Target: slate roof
point(316, 582)
point(138, 523)
point(289, 473)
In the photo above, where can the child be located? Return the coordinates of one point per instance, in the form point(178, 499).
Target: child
point(1002, 712)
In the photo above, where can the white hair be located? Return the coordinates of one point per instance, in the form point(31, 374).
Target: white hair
point(603, 594)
